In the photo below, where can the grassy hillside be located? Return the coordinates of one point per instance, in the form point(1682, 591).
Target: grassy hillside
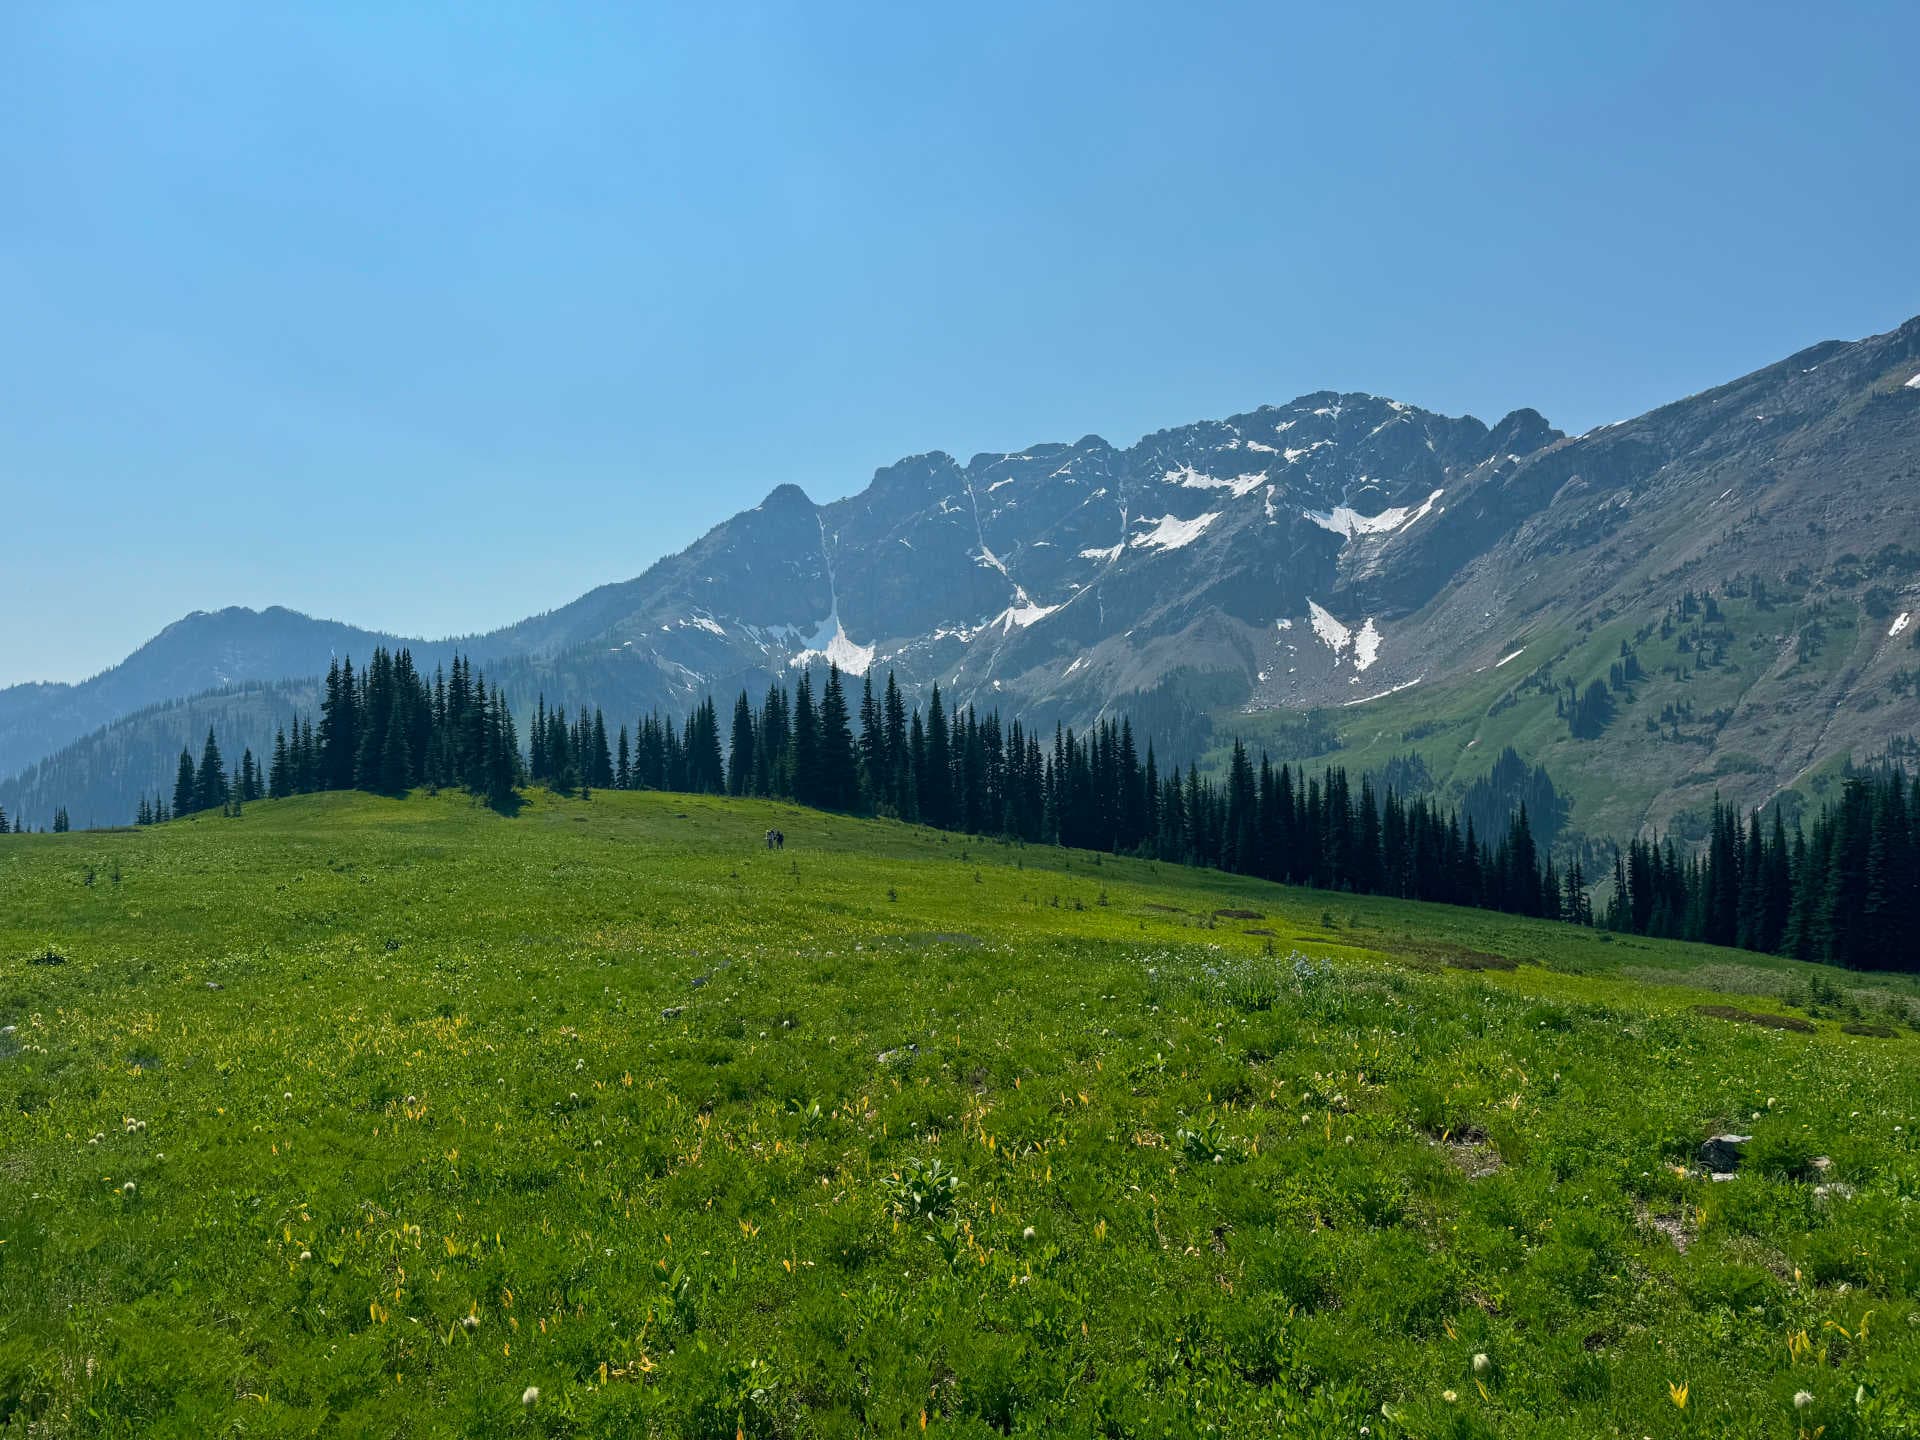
point(1770, 692)
point(354, 1116)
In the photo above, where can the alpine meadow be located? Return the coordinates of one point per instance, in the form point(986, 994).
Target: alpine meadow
point(405, 1116)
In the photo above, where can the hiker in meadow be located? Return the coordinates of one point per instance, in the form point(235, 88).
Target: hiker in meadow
point(769, 839)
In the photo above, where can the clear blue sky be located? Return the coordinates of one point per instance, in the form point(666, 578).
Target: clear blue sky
point(428, 321)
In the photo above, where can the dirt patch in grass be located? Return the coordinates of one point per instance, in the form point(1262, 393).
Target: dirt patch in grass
point(1870, 1029)
point(1671, 1226)
point(1432, 955)
point(1165, 909)
point(1256, 932)
point(927, 939)
point(1238, 915)
point(1480, 960)
point(1755, 1017)
point(1469, 1150)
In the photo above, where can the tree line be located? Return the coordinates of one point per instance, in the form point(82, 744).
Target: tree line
point(205, 786)
point(952, 768)
point(61, 824)
point(1846, 891)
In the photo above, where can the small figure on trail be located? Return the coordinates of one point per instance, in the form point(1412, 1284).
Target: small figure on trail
point(770, 835)
point(779, 839)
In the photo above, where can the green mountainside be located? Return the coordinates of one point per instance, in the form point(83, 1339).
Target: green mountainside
point(1757, 693)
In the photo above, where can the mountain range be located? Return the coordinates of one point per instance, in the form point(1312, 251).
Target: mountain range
point(1291, 572)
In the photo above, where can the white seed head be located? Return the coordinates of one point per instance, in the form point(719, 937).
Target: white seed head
point(1481, 1364)
point(1802, 1399)
point(1027, 1234)
point(530, 1395)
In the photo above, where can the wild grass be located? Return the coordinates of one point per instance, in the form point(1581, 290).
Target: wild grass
point(368, 1117)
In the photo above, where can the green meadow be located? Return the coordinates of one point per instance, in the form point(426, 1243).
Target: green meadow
point(365, 1117)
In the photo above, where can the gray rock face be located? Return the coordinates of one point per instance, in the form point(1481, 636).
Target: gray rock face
point(1307, 554)
point(1721, 1154)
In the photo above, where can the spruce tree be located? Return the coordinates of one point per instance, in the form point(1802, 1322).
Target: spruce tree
point(936, 771)
point(210, 777)
point(185, 785)
point(806, 743)
point(838, 763)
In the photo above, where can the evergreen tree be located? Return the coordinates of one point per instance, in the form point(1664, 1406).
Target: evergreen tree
point(805, 781)
point(740, 750)
point(935, 778)
point(210, 787)
point(837, 761)
point(185, 785)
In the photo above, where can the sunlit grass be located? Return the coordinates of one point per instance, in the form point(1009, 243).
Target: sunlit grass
point(373, 1117)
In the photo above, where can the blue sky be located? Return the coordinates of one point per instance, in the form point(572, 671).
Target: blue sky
point(431, 320)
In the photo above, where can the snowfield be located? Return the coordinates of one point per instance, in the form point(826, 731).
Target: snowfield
point(1363, 645)
point(1170, 532)
point(1344, 520)
point(1193, 479)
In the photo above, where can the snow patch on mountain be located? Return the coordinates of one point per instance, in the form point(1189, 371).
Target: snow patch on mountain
point(1110, 554)
point(1170, 532)
point(830, 642)
point(1194, 479)
point(1906, 616)
point(1914, 383)
point(1335, 636)
point(1024, 614)
point(1345, 520)
point(1366, 646)
point(1390, 690)
point(1514, 656)
point(1363, 645)
point(1426, 506)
